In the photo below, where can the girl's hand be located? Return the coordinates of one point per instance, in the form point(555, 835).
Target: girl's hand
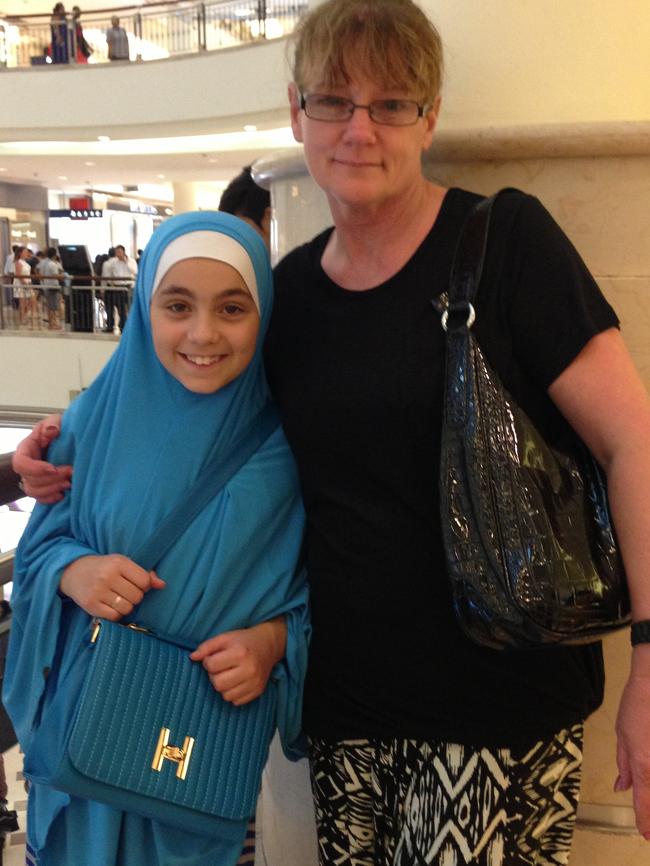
point(108, 586)
point(240, 662)
point(40, 479)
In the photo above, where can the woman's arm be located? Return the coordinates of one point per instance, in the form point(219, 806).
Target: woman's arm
point(41, 479)
point(604, 400)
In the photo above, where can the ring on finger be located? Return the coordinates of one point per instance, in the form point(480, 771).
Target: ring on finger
point(118, 599)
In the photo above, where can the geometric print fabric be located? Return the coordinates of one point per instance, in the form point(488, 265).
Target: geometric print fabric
point(409, 803)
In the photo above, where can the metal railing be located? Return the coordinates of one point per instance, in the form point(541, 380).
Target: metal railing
point(166, 29)
point(84, 304)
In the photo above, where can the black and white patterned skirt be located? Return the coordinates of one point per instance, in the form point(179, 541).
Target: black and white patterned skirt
point(409, 802)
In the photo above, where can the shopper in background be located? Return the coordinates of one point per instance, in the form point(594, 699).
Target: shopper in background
point(250, 202)
point(51, 278)
point(117, 41)
point(82, 48)
point(118, 275)
point(59, 51)
point(8, 272)
point(23, 292)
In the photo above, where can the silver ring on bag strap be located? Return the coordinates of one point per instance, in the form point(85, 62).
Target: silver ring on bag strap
point(471, 317)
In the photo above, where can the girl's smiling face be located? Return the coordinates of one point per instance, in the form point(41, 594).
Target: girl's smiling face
point(204, 323)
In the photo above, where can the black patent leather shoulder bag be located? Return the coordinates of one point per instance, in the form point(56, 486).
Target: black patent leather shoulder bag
point(530, 546)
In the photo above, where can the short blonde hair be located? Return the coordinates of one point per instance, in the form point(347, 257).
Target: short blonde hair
point(391, 42)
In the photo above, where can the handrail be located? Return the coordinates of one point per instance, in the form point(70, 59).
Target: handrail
point(46, 16)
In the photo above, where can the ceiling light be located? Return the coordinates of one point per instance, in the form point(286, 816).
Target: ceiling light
point(103, 138)
point(250, 127)
point(89, 163)
point(4, 169)
point(160, 176)
point(62, 177)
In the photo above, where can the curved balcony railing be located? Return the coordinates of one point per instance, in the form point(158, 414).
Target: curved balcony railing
point(154, 32)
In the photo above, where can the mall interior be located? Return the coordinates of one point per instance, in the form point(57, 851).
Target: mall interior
point(549, 97)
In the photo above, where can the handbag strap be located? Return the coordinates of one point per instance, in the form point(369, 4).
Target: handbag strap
point(467, 266)
point(212, 478)
point(459, 314)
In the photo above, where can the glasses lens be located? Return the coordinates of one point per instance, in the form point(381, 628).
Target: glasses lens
point(320, 106)
point(395, 112)
point(391, 112)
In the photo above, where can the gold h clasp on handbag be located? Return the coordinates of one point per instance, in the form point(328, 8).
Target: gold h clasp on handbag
point(165, 752)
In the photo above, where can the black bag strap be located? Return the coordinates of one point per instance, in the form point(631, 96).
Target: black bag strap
point(213, 477)
point(467, 267)
point(459, 315)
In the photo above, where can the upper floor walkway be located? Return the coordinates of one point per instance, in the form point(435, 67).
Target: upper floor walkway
point(153, 32)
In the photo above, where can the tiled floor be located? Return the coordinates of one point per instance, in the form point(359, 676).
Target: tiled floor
point(14, 852)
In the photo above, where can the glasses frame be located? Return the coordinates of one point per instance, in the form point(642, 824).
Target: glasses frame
point(352, 107)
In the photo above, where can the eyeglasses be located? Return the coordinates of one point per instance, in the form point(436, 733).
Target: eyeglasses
point(334, 109)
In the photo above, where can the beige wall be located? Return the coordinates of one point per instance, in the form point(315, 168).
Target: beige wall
point(533, 61)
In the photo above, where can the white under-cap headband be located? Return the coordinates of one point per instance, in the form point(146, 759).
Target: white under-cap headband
point(208, 245)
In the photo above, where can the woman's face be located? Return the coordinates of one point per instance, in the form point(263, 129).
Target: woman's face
point(204, 323)
point(357, 162)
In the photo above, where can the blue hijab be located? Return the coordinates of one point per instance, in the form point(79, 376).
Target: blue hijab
point(138, 439)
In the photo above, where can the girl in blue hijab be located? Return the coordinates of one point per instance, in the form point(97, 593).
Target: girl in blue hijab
point(183, 384)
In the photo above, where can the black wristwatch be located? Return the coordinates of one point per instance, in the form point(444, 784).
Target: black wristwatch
point(640, 632)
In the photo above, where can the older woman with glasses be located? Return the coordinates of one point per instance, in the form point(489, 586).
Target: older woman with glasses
point(424, 747)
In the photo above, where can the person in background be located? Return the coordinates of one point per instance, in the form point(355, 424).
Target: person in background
point(245, 199)
point(22, 288)
point(119, 272)
point(59, 51)
point(8, 272)
point(9, 261)
point(100, 258)
point(82, 48)
point(51, 277)
point(117, 41)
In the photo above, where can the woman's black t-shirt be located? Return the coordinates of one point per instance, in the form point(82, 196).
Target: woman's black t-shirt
point(358, 377)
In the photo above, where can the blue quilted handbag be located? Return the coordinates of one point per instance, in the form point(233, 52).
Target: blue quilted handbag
point(150, 734)
point(139, 725)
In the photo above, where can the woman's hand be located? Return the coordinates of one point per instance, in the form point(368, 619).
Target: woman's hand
point(40, 479)
point(633, 732)
point(240, 662)
point(108, 586)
